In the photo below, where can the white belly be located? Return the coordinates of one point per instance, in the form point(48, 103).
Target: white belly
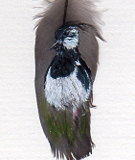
point(65, 91)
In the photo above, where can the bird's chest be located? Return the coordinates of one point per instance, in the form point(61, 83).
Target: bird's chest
point(67, 84)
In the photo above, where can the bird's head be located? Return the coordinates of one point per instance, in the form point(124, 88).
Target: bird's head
point(66, 37)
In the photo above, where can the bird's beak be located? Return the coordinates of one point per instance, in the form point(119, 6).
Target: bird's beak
point(56, 44)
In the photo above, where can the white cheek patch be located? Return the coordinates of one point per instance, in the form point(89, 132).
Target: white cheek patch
point(65, 91)
point(70, 43)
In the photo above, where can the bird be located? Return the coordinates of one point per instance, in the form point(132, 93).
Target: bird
point(66, 58)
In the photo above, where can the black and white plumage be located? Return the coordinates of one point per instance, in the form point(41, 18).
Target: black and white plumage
point(68, 79)
point(66, 54)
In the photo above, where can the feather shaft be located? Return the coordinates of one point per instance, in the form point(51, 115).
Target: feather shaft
point(65, 11)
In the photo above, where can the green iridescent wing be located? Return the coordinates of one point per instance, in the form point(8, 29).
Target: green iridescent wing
point(66, 139)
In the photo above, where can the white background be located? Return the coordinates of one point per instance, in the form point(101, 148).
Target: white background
point(113, 122)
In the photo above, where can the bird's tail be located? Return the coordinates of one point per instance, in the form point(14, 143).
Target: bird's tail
point(67, 139)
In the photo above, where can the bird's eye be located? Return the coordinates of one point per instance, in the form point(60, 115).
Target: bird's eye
point(66, 34)
point(71, 34)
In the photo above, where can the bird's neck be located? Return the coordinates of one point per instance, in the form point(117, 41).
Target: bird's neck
point(68, 53)
point(64, 63)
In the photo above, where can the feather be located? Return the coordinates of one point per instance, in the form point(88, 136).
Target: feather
point(66, 139)
point(78, 10)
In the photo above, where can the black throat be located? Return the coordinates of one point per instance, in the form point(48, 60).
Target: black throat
point(64, 63)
